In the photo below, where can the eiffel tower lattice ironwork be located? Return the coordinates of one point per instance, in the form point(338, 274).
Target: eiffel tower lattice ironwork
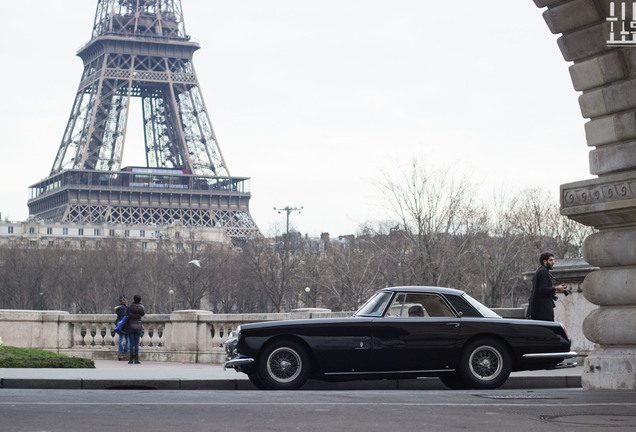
point(140, 49)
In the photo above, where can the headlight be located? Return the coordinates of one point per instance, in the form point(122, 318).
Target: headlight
point(235, 333)
point(230, 348)
point(231, 343)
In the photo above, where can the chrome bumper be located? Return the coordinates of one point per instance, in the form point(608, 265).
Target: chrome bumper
point(233, 358)
point(569, 354)
point(563, 355)
point(238, 363)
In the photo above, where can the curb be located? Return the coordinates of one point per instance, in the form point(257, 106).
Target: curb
point(522, 382)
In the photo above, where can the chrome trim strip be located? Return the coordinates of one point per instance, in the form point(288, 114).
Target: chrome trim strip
point(569, 354)
point(390, 372)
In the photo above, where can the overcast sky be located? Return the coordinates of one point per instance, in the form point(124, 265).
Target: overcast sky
point(314, 99)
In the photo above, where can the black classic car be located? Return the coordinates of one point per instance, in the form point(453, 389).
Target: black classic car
point(401, 332)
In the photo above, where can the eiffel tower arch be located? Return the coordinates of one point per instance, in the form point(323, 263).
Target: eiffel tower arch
point(140, 49)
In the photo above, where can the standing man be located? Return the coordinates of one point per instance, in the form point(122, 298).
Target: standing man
point(541, 304)
point(135, 312)
point(122, 310)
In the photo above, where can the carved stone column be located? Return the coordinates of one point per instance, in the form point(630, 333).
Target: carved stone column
point(606, 74)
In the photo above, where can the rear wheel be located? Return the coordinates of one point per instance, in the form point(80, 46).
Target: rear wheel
point(283, 365)
point(485, 364)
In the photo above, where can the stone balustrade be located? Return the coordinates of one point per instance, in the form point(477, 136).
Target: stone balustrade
point(189, 336)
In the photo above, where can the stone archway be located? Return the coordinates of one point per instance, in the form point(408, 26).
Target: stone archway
point(604, 70)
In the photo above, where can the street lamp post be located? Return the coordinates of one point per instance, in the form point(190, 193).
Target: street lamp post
point(288, 210)
point(193, 280)
point(307, 290)
point(171, 292)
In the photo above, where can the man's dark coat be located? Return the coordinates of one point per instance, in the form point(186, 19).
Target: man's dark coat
point(541, 304)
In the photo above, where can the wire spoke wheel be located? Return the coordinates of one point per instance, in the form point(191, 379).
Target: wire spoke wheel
point(486, 363)
point(284, 364)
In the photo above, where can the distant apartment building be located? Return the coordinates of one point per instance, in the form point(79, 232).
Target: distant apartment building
point(42, 234)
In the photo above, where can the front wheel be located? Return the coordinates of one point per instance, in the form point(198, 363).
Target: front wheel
point(283, 365)
point(256, 381)
point(485, 364)
point(453, 381)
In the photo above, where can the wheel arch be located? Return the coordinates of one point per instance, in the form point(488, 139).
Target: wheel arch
point(299, 340)
point(502, 340)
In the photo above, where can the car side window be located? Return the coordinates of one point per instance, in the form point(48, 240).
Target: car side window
point(397, 306)
point(436, 307)
point(419, 306)
point(375, 305)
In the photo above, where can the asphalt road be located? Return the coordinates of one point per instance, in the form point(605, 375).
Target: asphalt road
point(560, 410)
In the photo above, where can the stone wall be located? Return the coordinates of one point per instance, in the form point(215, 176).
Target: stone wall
point(604, 70)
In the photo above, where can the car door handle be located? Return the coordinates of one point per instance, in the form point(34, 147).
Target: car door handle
point(453, 324)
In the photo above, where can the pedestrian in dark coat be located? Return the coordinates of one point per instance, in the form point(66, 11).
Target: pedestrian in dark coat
point(135, 312)
point(541, 304)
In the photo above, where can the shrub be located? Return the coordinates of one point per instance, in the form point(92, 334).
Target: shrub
point(12, 357)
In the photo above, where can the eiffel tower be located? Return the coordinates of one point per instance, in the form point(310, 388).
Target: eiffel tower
point(140, 48)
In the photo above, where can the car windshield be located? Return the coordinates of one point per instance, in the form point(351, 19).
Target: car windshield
point(486, 312)
point(375, 305)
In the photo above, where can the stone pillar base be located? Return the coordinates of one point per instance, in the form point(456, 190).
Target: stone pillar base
point(610, 369)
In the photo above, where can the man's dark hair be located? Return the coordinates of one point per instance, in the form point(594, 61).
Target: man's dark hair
point(137, 298)
point(544, 257)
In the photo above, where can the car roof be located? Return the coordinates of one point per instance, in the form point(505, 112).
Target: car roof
point(428, 289)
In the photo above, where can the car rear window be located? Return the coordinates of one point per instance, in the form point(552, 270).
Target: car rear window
point(462, 306)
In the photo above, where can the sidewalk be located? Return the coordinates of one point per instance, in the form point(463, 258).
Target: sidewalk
point(180, 376)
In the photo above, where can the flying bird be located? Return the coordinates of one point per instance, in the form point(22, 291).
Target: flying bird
point(195, 262)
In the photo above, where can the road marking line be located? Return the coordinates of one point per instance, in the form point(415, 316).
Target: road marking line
point(562, 405)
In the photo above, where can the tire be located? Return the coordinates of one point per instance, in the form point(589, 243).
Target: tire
point(256, 381)
point(485, 364)
point(283, 365)
point(453, 381)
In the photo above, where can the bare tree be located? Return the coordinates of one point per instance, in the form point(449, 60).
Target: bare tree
point(121, 259)
point(191, 272)
point(433, 209)
point(155, 281)
point(56, 292)
point(231, 290)
point(345, 273)
point(274, 265)
point(535, 215)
